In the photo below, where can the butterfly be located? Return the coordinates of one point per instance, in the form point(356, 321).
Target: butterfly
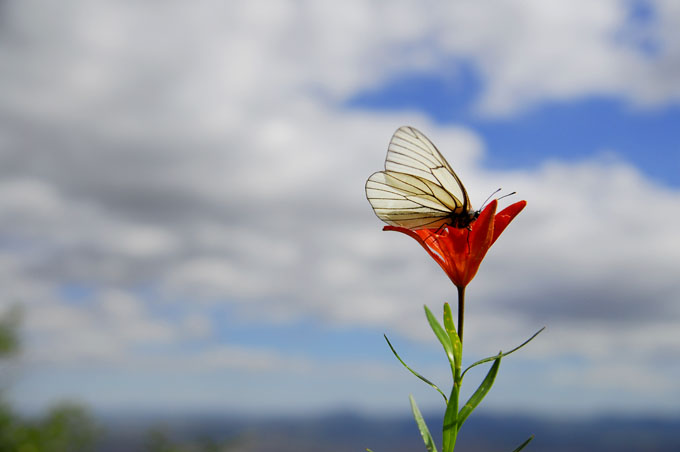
point(418, 188)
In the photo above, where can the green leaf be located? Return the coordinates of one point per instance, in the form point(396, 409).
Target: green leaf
point(481, 391)
point(521, 446)
point(453, 334)
point(368, 450)
point(441, 335)
point(491, 358)
point(450, 428)
point(413, 371)
point(424, 431)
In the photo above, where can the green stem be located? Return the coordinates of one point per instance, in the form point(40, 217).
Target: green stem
point(451, 431)
point(461, 311)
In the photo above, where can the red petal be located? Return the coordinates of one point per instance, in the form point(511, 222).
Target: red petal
point(505, 216)
point(481, 238)
point(422, 240)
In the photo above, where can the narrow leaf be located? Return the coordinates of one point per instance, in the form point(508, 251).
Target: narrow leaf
point(413, 371)
point(441, 335)
point(491, 358)
point(481, 391)
point(521, 446)
point(450, 428)
point(424, 431)
point(453, 334)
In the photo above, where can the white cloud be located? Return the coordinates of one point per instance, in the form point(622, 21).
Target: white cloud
point(210, 278)
point(200, 154)
point(532, 51)
point(104, 328)
point(198, 325)
point(231, 64)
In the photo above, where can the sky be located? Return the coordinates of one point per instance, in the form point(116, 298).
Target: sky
point(184, 225)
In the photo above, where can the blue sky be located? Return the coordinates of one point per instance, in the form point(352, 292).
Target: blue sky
point(184, 223)
point(569, 130)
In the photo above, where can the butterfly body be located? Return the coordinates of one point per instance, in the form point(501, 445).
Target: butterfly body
point(418, 188)
point(463, 221)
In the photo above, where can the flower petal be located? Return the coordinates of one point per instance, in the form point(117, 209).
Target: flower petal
point(422, 240)
point(460, 251)
point(481, 238)
point(505, 216)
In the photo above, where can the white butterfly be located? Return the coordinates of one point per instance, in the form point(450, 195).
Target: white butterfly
point(418, 188)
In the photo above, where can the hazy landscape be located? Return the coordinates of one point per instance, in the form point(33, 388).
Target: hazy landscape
point(350, 432)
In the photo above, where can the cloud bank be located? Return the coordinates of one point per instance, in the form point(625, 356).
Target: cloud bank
point(163, 168)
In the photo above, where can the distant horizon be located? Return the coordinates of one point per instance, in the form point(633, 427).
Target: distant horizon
point(398, 433)
point(235, 414)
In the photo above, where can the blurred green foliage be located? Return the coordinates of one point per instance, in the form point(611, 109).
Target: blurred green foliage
point(9, 324)
point(67, 427)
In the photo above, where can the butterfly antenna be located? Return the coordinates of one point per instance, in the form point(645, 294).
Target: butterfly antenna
point(490, 196)
point(509, 194)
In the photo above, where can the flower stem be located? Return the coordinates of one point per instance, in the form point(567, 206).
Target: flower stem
point(461, 311)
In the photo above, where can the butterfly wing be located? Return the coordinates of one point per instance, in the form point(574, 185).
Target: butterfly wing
point(400, 199)
point(411, 152)
point(418, 188)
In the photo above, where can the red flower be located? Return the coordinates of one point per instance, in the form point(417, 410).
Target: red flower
point(460, 251)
